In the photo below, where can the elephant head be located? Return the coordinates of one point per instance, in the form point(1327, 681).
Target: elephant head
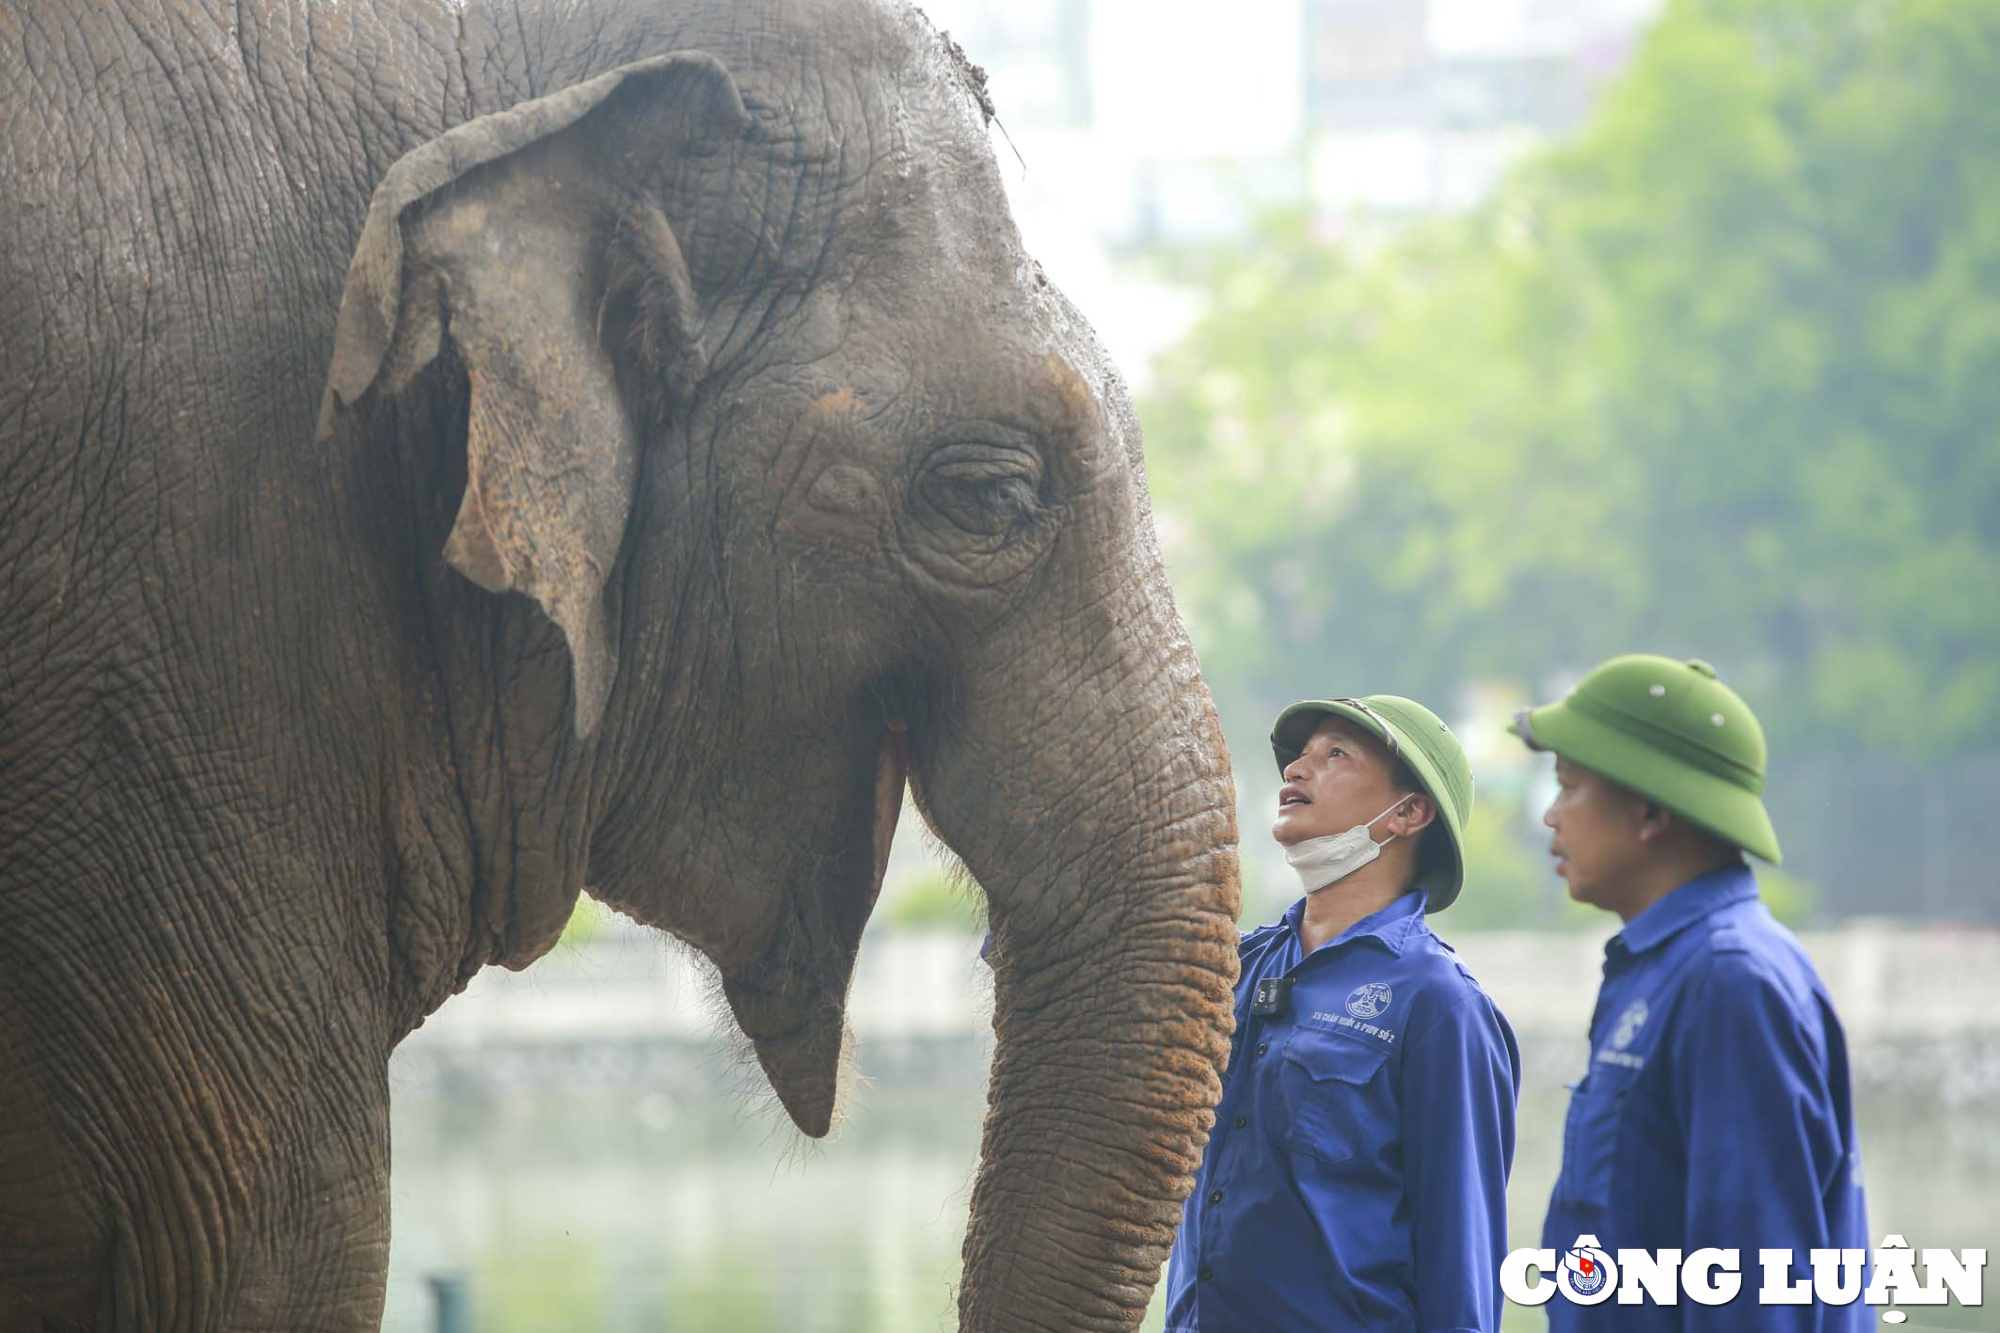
point(730, 362)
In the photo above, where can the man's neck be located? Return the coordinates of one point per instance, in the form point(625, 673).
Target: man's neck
point(1664, 877)
point(1331, 910)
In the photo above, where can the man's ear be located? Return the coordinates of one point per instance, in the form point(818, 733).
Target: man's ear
point(1415, 816)
point(1654, 820)
point(535, 241)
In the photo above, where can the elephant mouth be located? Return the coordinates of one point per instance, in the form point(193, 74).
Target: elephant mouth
point(892, 773)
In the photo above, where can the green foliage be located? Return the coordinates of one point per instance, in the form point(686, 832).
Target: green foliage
point(587, 920)
point(1261, 900)
point(1721, 377)
point(931, 899)
point(539, 1282)
point(1510, 883)
point(1790, 898)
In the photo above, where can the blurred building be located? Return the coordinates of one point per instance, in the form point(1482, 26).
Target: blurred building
point(1193, 117)
point(1129, 125)
point(1420, 106)
point(1038, 50)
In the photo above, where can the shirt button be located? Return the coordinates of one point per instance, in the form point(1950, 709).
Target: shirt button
point(1206, 1274)
point(1239, 1122)
point(1263, 1046)
point(1215, 1196)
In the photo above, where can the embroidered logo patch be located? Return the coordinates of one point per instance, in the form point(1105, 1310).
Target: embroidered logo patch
point(1370, 1001)
point(1629, 1024)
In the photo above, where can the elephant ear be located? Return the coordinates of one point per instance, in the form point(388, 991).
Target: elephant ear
point(512, 237)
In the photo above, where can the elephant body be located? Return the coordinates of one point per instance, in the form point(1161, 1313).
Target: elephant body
point(451, 456)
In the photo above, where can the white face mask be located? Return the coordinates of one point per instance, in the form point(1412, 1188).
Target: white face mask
point(1321, 861)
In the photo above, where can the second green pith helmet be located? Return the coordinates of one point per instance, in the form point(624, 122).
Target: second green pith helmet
point(1671, 732)
point(1415, 735)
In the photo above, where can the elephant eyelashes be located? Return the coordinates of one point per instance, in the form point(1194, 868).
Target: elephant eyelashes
point(986, 508)
point(989, 494)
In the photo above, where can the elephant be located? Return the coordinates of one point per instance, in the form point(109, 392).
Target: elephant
point(458, 456)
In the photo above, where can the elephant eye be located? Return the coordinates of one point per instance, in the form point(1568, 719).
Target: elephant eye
point(986, 492)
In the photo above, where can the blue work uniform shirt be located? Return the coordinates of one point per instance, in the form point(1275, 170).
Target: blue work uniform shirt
point(1715, 1112)
point(1356, 1178)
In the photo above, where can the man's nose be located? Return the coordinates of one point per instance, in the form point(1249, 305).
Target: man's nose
point(1549, 815)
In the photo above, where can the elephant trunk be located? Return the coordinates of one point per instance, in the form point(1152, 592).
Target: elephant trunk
point(1114, 954)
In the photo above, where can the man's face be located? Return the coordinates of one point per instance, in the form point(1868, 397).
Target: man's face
point(1596, 840)
point(1343, 777)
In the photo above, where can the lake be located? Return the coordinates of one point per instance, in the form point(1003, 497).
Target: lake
point(575, 1205)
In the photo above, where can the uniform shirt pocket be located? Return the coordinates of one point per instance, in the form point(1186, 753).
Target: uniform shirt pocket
point(1336, 1095)
point(1590, 1137)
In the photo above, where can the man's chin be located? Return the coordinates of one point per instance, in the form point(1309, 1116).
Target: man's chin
point(1579, 892)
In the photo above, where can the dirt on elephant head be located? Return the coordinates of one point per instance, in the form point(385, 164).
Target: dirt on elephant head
point(974, 75)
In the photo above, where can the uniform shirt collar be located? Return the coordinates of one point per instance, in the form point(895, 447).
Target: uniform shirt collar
point(1691, 902)
point(1392, 926)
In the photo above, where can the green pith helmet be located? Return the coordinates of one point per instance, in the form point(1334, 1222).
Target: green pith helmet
point(1672, 732)
point(1415, 735)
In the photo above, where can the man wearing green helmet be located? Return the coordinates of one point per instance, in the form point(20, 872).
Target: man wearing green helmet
point(1357, 1173)
point(1716, 1110)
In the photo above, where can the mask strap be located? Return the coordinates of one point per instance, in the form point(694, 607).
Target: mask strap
point(1385, 814)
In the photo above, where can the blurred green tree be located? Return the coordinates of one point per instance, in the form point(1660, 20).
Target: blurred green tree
point(1508, 883)
point(1721, 376)
point(932, 899)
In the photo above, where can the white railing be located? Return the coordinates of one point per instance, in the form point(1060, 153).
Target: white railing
point(630, 984)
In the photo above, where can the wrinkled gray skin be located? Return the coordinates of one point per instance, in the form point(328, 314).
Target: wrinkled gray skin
point(675, 452)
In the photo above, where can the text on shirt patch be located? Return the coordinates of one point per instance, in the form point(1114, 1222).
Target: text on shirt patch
point(1622, 1033)
point(1342, 1020)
